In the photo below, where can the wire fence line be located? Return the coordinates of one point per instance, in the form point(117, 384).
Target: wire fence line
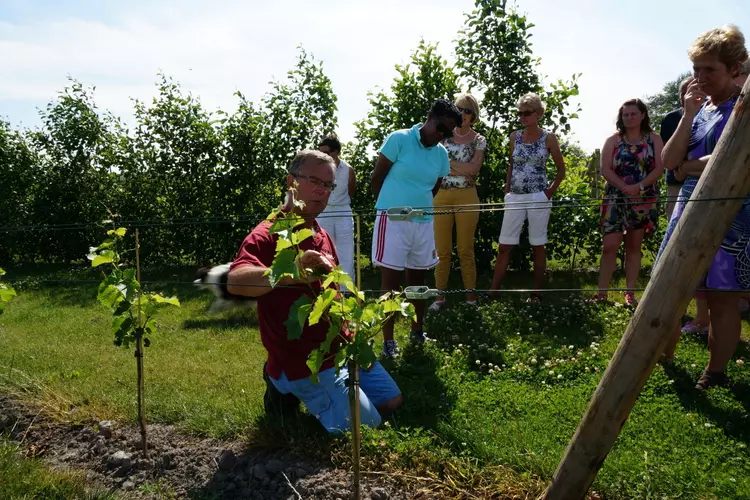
point(430, 292)
point(562, 203)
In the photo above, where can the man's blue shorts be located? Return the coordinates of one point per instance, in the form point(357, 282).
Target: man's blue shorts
point(328, 400)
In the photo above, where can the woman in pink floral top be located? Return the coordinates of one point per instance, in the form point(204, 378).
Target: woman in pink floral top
point(466, 152)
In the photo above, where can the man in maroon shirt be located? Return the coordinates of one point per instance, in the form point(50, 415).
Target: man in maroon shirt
point(286, 370)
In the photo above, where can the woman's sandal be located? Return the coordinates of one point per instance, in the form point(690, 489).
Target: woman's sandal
point(598, 298)
point(630, 299)
point(711, 379)
point(534, 298)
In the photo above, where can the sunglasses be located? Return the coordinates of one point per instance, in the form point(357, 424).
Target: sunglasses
point(525, 113)
point(444, 130)
point(466, 111)
point(328, 186)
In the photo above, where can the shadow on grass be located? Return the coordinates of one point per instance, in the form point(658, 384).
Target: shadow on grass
point(427, 400)
point(228, 321)
point(733, 422)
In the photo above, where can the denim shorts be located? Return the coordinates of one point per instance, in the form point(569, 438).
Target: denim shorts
point(328, 400)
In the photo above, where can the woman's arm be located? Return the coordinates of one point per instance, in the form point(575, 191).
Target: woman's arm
point(605, 164)
point(469, 168)
point(509, 175)
point(557, 157)
point(676, 147)
point(653, 177)
point(352, 182)
point(382, 167)
point(692, 168)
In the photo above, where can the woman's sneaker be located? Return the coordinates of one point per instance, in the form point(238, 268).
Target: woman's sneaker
point(694, 327)
point(390, 349)
point(436, 306)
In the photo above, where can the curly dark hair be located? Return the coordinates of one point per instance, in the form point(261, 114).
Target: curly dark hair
point(331, 142)
point(645, 123)
point(445, 108)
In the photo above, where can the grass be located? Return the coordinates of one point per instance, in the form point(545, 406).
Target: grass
point(23, 478)
point(491, 403)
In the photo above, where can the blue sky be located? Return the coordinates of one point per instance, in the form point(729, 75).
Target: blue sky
point(214, 48)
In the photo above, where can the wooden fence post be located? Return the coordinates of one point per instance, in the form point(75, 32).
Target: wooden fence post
point(595, 174)
point(685, 261)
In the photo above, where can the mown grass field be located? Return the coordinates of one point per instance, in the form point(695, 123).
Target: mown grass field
point(491, 402)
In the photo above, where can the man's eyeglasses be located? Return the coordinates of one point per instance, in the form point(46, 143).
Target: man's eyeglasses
point(466, 111)
point(444, 130)
point(525, 113)
point(328, 186)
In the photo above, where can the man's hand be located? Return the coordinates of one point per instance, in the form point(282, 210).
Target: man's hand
point(314, 260)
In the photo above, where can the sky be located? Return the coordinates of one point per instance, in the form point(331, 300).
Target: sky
point(213, 49)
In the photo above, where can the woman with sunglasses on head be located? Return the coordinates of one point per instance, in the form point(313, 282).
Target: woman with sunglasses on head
point(631, 165)
point(410, 168)
point(528, 193)
point(458, 188)
point(717, 56)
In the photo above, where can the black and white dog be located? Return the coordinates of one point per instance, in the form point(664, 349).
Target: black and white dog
point(215, 279)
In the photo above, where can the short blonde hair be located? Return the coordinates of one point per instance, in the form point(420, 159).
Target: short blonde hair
point(468, 101)
point(531, 100)
point(726, 43)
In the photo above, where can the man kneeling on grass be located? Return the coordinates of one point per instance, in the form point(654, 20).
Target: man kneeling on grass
point(286, 372)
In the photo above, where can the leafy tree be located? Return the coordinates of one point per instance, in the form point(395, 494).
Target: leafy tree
point(75, 178)
point(20, 174)
point(495, 58)
point(665, 101)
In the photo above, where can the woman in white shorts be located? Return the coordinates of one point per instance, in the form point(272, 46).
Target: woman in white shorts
point(528, 193)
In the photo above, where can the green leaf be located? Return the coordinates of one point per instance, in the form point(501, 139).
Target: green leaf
point(297, 317)
point(105, 257)
point(174, 301)
point(366, 355)
point(281, 244)
point(285, 264)
point(109, 295)
point(283, 223)
point(2, 272)
point(321, 304)
point(339, 277)
point(6, 293)
point(120, 231)
point(301, 235)
point(314, 362)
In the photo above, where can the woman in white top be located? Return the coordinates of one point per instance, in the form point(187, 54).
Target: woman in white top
point(336, 219)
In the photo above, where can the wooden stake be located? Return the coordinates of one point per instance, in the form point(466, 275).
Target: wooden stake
point(354, 407)
point(139, 348)
point(683, 264)
point(359, 269)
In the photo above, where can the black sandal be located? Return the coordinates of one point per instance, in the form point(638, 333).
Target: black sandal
point(711, 379)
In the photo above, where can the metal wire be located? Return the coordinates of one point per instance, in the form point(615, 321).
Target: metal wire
point(371, 291)
point(431, 210)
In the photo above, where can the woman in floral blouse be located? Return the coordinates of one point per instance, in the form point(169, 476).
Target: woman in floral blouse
point(466, 152)
point(631, 164)
point(528, 193)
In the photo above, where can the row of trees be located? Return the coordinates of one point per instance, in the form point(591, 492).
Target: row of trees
point(212, 175)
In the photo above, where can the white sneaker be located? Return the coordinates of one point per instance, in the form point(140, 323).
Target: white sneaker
point(693, 327)
point(390, 349)
point(435, 306)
